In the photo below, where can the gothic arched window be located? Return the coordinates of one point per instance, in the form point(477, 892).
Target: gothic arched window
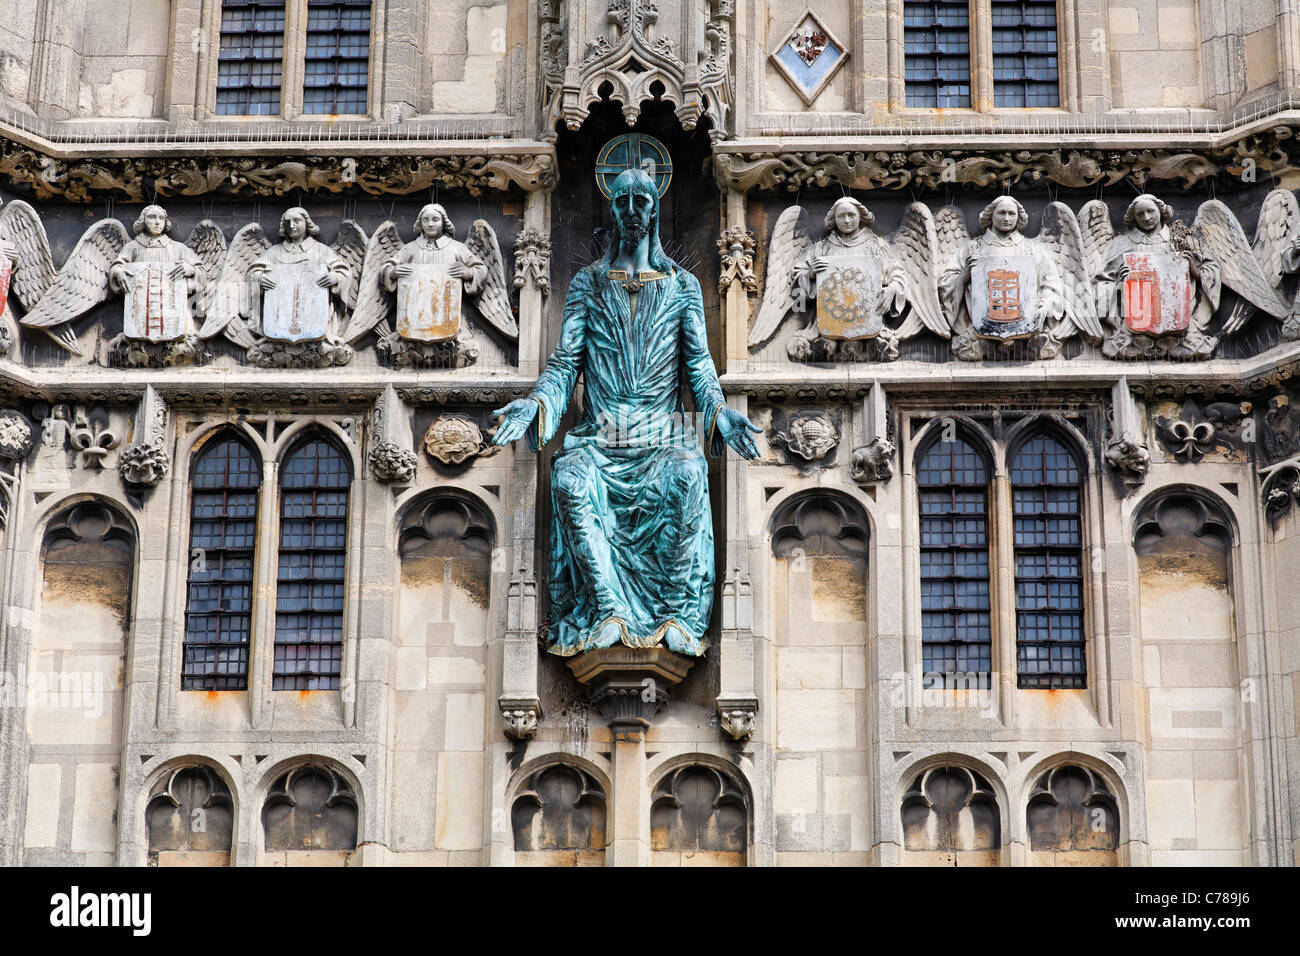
point(956, 630)
point(314, 482)
point(223, 529)
point(1047, 503)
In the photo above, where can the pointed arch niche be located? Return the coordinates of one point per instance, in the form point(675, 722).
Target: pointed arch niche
point(1184, 545)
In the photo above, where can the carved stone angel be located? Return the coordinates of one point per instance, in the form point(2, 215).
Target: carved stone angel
point(430, 275)
point(305, 287)
point(160, 277)
point(26, 266)
point(79, 286)
point(1277, 251)
point(857, 279)
point(1004, 286)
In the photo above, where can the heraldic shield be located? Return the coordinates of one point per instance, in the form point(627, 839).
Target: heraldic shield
point(1004, 297)
point(848, 298)
point(428, 304)
point(1157, 293)
point(5, 272)
point(156, 305)
point(297, 309)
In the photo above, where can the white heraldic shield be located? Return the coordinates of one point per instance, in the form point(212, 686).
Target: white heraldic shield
point(1004, 296)
point(428, 304)
point(297, 309)
point(848, 297)
point(156, 305)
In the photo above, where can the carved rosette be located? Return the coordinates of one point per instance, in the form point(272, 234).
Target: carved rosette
point(736, 248)
point(15, 435)
point(454, 440)
point(392, 463)
point(533, 259)
point(873, 462)
point(809, 435)
point(144, 464)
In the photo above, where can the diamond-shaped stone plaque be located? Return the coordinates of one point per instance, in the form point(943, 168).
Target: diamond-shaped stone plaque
point(809, 55)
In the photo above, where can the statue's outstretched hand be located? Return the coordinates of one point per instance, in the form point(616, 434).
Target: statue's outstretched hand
point(515, 419)
point(734, 429)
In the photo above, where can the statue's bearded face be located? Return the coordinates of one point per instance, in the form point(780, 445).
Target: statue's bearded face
point(633, 210)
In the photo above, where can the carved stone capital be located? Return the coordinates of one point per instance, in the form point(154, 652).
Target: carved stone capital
point(1128, 456)
point(736, 248)
point(390, 462)
point(630, 685)
point(738, 716)
point(520, 716)
point(533, 259)
point(873, 462)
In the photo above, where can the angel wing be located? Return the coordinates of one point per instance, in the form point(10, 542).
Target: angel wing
point(34, 270)
point(1097, 231)
point(1223, 238)
point(1279, 221)
point(951, 235)
point(229, 300)
point(786, 248)
point(915, 246)
point(493, 299)
point(350, 243)
point(209, 245)
point(81, 284)
point(1061, 235)
point(372, 298)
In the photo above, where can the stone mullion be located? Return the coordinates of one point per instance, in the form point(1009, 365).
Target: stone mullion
point(185, 74)
point(1001, 528)
point(350, 666)
point(293, 62)
point(1288, 42)
point(981, 55)
point(911, 551)
point(176, 583)
point(261, 655)
point(895, 46)
point(1097, 656)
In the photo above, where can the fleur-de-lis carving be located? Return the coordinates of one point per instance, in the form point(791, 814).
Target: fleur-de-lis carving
point(92, 440)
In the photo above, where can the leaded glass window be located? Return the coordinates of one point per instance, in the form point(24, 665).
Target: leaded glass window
point(309, 596)
point(1024, 53)
point(956, 631)
point(936, 53)
point(1046, 494)
point(250, 62)
point(338, 56)
point(223, 529)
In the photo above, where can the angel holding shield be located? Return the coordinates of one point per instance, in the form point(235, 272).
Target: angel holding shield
point(152, 243)
point(299, 247)
point(436, 244)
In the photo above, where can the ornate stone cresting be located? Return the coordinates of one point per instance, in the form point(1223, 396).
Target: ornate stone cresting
point(736, 249)
point(138, 179)
point(533, 259)
point(146, 461)
point(632, 46)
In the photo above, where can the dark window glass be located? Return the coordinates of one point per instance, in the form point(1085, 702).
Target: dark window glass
point(956, 633)
point(309, 595)
point(936, 52)
point(1024, 53)
point(219, 604)
point(1046, 495)
point(250, 61)
point(338, 56)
